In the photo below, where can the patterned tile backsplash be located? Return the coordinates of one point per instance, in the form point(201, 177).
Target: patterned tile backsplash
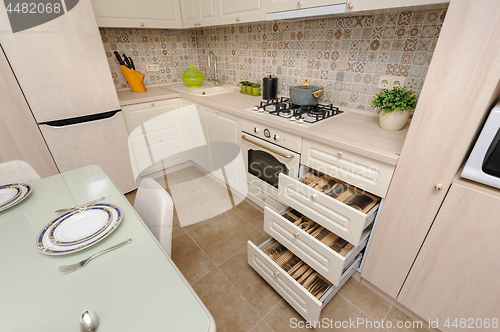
point(346, 54)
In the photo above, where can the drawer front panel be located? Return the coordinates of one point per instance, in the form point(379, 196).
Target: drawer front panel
point(300, 299)
point(332, 214)
point(263, 200)
point(319, 256)
point(365, 173)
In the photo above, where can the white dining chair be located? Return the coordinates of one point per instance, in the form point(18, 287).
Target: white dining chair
point(17, 171)
point(155, 207)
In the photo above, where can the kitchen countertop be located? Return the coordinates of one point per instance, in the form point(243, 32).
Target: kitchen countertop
point(354, 130)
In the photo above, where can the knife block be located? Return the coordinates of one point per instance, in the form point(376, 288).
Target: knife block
point(134, 79)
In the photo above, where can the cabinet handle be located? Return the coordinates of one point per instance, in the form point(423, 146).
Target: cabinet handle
point(276, 137)
point(237, 19)
point(244, 137)
point(263, 198)
point(216, 112)
point(313, 197)
point(276, 274)
point(339, 154)
point(142, 24)
point(299, 4)
point(152, 104)
point(438, 187)
point(296, 234)
point(256, 130)
point(350, 5)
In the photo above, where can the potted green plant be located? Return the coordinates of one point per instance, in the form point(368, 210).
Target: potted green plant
point(394, 107)
point(244, 86)
point(256, 89)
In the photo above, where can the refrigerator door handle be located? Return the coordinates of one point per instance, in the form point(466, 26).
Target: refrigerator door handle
point(80, 119)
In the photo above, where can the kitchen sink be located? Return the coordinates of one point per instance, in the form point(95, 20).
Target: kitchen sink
point(206, 89)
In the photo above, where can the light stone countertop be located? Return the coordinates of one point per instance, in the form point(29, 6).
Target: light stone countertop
point(354, 130)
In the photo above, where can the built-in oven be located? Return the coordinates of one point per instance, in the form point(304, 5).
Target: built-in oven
point(483, 164)
point(267, 152)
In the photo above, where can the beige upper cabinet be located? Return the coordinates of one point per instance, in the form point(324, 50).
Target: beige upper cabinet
point(197, 13)
point(232, 11)
point(282, 5)
point(360, 5)
point(455, 275)
point(137, 14)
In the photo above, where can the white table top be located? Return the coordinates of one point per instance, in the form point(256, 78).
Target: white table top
point(134, 288)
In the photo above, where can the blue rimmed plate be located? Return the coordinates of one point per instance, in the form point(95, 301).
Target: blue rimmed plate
point(12, 194)
point(80, 225)
point(46, 246)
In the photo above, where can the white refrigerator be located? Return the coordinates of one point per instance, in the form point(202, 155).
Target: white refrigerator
point(62, 69)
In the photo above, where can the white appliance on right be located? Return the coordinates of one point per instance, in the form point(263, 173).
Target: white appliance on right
point(483, 164)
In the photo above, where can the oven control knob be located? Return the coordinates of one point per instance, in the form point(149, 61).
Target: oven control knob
point(276, 137)
point(256, 130)
point(267, 133)
point(256, 108)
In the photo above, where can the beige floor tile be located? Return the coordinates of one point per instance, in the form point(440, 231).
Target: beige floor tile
point(261, 327)
point(198, 206)
point(222, 193)
point(284, 318)
point(366, 300)
point(250, 214)
point(255, 289)
point(200, 176)
point(231, 312)
point(396, 315)
point(177, 229)
point(223, 236)
point(131, 197)
point(190, 259)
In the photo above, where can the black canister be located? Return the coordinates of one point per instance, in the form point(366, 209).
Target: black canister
point(270, 88)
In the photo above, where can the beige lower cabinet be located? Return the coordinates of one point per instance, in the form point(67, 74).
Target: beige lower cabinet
point(317, 242)
point(455, 275)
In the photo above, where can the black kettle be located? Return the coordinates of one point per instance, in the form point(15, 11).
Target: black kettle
point(270, 88)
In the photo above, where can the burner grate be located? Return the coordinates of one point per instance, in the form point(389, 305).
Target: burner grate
point(283, 107)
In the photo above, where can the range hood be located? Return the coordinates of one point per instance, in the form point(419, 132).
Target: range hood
point(307, 12)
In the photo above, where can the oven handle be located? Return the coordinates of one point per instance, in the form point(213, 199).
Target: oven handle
point(244, 137)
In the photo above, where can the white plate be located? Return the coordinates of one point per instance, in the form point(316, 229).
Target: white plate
point(8, 194)
point(45, 246)
point(24, 191)
point(80, 225)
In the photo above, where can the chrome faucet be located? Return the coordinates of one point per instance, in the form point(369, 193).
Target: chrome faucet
point(213, 59)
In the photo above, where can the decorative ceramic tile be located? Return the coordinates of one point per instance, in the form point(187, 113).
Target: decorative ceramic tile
point(345, 53)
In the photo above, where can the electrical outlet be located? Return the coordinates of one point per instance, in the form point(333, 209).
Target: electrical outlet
point(397, 81)
point(153, 67)
point(389, 82)
point(384, 82)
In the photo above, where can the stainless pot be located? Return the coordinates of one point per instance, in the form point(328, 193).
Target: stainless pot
point(305, 94)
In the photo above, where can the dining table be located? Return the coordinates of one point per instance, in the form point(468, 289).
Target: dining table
point(134, 288)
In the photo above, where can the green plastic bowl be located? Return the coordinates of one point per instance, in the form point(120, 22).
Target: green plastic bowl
point(192, 77)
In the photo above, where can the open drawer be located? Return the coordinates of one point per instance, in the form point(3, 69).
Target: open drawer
point(372, 175)
point(339, 207)
point(296, 294)
point(321, 249)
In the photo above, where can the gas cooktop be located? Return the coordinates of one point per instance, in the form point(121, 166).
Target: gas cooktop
point(283, 108)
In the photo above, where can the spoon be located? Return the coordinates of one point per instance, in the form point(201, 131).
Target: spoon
point(89, 322)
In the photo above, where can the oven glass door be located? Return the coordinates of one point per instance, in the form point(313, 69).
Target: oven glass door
point(265, 166)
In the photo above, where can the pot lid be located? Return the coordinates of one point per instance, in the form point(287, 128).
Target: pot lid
point(192, 72)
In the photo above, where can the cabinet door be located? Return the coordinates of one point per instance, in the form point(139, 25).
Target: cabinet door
point(198, 13)
point(135, 115)
point(20, 137)
point(136, 14)
point(456, 272)
point(196, 139)
point(361, 5)
point(282, 5)
point(226, 128)
point(239, 11)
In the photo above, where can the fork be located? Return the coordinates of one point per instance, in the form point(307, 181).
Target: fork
point(79, 265)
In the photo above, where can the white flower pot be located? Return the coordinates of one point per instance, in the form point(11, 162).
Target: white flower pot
point(395, 120)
